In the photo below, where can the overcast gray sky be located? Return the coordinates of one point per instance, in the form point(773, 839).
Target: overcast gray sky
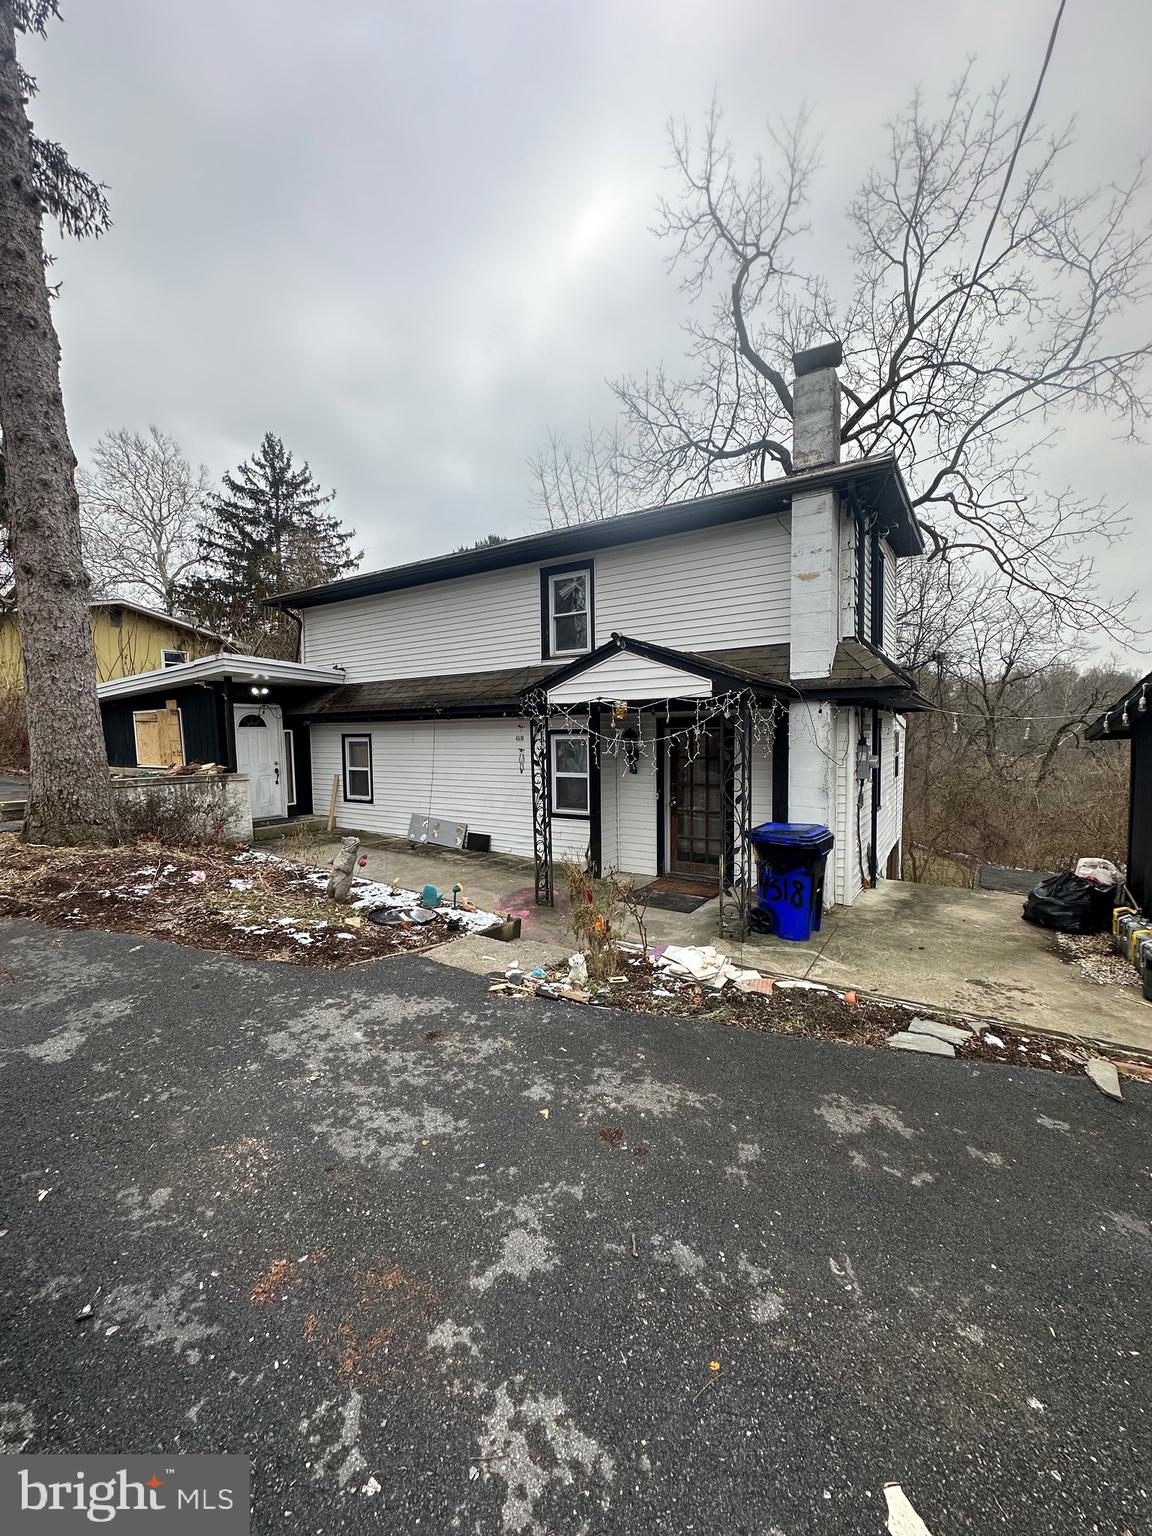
point(410, 237)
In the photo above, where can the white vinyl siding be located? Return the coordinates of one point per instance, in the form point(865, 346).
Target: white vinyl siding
point(628, 808)
point(632, 677)
point(853, 815)
point(716, 588)
point(468, 770)
point(888, 819)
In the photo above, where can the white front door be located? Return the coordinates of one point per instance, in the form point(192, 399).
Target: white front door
point(260, 754)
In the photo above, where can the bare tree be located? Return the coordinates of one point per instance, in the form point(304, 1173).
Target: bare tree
point(70, 797)
point(142, 509)
point(999, 770)
point(581, 484)
point(988, 303)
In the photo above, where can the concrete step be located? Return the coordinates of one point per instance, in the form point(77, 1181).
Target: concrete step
point(268, 831)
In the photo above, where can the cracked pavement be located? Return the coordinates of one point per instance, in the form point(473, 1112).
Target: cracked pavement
point(444, 1261)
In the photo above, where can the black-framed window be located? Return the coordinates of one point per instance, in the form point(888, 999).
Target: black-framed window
point(357, 768)
point(567, 599)
point(571, 774)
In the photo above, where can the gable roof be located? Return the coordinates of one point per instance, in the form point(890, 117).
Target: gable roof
point(1115, 724)
point(876, 483)
point(159, 615)
point(8, 607)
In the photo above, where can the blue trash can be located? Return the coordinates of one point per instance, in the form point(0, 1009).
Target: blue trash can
point(791, 856)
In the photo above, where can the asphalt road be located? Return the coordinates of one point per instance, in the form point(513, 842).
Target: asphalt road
point(438, 1261)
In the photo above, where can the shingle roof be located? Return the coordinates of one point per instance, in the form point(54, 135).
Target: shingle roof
point(876, 481)
point(858, 670)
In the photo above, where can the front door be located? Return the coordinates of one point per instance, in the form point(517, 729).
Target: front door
point(260, 754)
point(698, 817)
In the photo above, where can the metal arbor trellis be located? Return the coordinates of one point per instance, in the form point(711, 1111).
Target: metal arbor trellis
point(537, 711)
point(742, 724)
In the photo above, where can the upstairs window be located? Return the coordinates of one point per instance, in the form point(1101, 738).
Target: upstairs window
point(566, 610)
point(173, 658)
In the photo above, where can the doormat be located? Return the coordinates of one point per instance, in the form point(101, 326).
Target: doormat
point(672, 894)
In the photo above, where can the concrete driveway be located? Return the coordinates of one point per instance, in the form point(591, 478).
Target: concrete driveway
point(971, 950)
point(937, 945)
point(440, 1261)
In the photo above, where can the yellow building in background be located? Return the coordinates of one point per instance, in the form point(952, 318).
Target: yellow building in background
point(128, 638)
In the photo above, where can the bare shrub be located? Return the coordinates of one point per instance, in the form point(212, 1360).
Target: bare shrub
point(596, 914)
point(623, 892)
point(176, 815)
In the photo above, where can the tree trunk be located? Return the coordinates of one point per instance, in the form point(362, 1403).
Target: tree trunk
point(70, 800)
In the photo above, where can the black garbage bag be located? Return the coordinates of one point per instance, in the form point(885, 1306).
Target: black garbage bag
point(1070, 905)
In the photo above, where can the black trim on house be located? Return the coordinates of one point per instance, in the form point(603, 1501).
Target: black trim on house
point(345, 738)
point(199, 727)
point(873, 852)
point(1139, 878)
point(662, 791)
point(595, 807)
point(876, 481)
point(301, 764)
point(569, 568)
point(780, 769)
point(877, 557)
point(860, 529)
point(230, 726)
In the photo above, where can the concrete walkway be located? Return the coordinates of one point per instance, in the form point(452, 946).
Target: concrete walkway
point(937, 945)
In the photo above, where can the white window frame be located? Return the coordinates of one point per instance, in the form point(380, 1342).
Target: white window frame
point(290, 766)
point(349, 797)
point(166, 653)
point(586, 776)
point(585, 573)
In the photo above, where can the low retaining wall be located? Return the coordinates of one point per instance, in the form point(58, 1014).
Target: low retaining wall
point(211, 804)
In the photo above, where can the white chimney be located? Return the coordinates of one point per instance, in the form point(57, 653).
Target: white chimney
point(815, 576)
point(816, 407)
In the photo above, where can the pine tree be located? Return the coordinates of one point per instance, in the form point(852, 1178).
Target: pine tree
point(70, 799)
point(267, 533)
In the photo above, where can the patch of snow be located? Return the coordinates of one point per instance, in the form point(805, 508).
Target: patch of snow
point(240, 885)
point(991, 1039)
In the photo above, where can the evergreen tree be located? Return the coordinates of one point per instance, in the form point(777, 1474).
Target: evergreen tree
point(71, 799)
point(267, 533)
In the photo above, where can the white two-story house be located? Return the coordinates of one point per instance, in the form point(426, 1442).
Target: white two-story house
point(637, 642)
point(637, 692)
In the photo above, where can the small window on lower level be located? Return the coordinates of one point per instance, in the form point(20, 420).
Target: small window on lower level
point(173, 658)
point(571, 794)
point(358, 768)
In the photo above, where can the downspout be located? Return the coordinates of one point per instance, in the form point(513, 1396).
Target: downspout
point(873, 860)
